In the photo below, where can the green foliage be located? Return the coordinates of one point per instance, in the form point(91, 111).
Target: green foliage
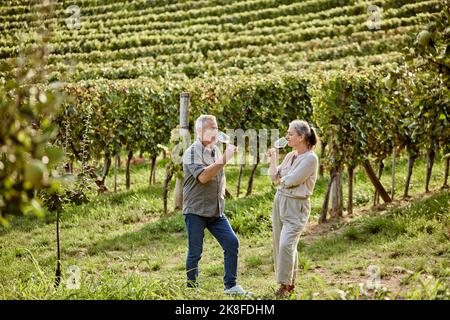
point(429, 61)
point(353, 125)
point(27, 159)
point(68, 193)
point(126, 248)
point(243, 66)
point(217, 38)
point(255, 64)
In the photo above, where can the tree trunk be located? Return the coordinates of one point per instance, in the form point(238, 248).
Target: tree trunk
point(178, 196)
point(241, 170)
point(447, 162)
point(151, 179)
point(100, 185)
point(376, 183)
point(323, 216)
point(184, 131)
point(431, 154)
point(337, 203)
point(411, 161)
point(322, 156)
point(394, 157)
point(127, 174)
point(252, 174)
point(250, 181)
point(255, 166)
point(116, 163)
point(228, 195)
point(154, 171)
point(376, 197)
point(169, 175)
point(350, 189)
point(107, 166)
point(68, 167)
point(90, 171)
point(58, 254)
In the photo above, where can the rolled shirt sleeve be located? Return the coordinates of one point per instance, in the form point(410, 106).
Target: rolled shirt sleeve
point(298, 176)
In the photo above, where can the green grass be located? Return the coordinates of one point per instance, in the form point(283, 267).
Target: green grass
point(126, 249)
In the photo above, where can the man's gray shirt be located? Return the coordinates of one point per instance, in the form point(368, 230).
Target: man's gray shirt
point(203, 199)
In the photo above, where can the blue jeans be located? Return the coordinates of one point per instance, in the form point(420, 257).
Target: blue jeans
point(221, 230)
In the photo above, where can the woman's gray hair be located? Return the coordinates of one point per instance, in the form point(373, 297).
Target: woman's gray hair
point(200, 122)
point(302, 128)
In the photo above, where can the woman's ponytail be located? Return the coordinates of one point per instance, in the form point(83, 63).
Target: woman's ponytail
point(312, 138)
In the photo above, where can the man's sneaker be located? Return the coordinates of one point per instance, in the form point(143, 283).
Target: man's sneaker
point(192, 284)
point(192, 290)
point(238, 291)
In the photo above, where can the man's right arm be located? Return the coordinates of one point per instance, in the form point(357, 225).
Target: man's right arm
point(213, 169)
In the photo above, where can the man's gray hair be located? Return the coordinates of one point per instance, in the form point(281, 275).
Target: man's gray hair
point(200, 122)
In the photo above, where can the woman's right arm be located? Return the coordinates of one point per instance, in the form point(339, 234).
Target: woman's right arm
point(274, 168)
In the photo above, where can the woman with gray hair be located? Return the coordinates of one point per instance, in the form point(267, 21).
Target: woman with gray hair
point(296, 177)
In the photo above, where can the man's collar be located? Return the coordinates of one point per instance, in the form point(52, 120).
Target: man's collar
point(203, 146)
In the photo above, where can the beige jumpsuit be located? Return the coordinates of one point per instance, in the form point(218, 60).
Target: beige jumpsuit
point(290, 212)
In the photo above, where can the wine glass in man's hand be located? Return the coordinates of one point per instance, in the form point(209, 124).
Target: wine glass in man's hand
point(223, 138)
point(230, 151)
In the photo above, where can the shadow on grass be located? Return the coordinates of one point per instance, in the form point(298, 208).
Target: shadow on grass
point(162, 229)
point(29, 223)
point(122, 197)
point(380, 230)
point(251, 200)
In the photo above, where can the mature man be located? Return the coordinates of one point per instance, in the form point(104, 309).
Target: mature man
point(203, 203)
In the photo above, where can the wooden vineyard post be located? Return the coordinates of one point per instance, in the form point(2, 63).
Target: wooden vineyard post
point(184, 132)
point(394, 158)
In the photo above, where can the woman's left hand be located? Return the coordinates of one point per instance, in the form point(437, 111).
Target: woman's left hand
point(271, 152)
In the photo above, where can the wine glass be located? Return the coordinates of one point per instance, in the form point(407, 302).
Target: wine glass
point(280, 143)
point(223, 138)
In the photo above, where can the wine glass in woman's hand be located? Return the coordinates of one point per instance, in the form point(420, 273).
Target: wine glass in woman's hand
point(280, 143)
point(271, 152)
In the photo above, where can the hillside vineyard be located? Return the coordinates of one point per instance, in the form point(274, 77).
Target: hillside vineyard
point(198, 39)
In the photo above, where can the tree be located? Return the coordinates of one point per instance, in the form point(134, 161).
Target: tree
point(429, 60)
point(27, 108)
point(344, 110)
